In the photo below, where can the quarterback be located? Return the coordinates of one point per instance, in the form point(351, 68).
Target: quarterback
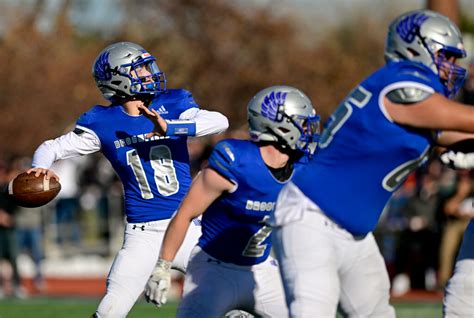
point(143, 133)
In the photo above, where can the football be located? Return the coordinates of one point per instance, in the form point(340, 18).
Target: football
point(29, 191)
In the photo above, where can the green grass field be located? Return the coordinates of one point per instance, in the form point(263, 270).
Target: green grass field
point(82, 308)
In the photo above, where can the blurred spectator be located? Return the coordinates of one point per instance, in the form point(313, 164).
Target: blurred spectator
point(197, 149)
point(409, 232)
point(28, 224)
point(458, 210)
point(8, 243)
point(67, 203)
point(101, 202)
point(417, 250)
point(392, 223)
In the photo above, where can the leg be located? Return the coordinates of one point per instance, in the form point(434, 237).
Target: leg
point(12, 255)
point(308, 265)
point(365, 285)
point(459, 293)
point(449, 245)
point(130, 271)
point(210, 289)
point(269, 295)
point(37, 255)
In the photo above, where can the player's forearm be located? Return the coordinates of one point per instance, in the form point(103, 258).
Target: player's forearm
point(206, 122)
point(174, 237)
point(206, 187)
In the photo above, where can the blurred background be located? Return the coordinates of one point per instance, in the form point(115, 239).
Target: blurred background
point(223, 51)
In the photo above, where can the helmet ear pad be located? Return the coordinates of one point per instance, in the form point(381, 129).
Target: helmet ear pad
point(115, 71)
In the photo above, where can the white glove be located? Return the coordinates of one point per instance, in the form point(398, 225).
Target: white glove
point(458, 160)
point(159, 283)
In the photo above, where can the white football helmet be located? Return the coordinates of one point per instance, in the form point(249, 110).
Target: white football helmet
point(284, 115)
point(429, 38)
point(125, 70)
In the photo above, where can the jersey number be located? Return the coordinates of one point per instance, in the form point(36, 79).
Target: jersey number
point(398, 175)
point(359, 97)
point(254, 247)
point(163, 168)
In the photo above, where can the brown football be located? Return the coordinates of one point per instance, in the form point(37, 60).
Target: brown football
point(29, 191)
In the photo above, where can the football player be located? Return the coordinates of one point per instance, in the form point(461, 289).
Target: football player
point(143, 133)
point(459, 292)
point(231, 266)
point(381, 132)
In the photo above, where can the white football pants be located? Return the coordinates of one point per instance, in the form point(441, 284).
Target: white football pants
point(323, 265)
point(459, 293)
point(212, 288)
point(135, 261)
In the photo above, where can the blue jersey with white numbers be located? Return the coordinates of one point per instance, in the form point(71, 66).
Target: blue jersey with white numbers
point(233, 227)
point(154, 172)
point(363, 156)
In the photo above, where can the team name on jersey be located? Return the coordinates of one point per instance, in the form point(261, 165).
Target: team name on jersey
point(136, 139)
point(259, 205)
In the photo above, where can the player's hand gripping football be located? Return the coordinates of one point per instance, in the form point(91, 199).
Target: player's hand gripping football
point(48, 173)
point(159, 283)
point(156, 119)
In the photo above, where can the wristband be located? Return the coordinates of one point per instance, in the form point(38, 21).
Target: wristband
point(164, 264)
point(181, 128)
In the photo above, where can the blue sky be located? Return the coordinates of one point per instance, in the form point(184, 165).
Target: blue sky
point(327, 12)
point(106, 15)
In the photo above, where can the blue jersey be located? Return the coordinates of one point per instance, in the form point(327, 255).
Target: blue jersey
point(234, 226)
point(363, 156)
point(155, 171)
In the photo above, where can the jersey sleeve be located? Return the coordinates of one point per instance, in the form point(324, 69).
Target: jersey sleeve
point(187, 101)
point(207, 122)
point(193, 121)
point(70, 145)
point(89, 121)
point(223, 160)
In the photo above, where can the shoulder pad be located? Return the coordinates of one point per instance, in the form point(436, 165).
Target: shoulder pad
point(408, 95)
point(226, 149)
point(223, 160)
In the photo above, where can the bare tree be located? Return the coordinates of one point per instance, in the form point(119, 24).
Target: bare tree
point(215, 48)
